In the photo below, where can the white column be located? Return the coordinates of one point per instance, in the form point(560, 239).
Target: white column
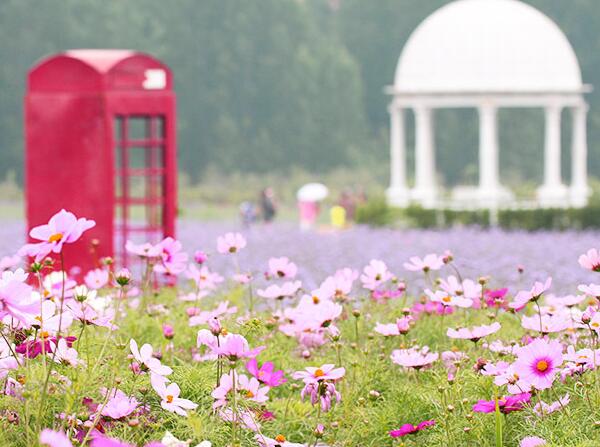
point(579, 186)
point(552, 192)
point(397, 193)
point(425, 189)
point(488, 152)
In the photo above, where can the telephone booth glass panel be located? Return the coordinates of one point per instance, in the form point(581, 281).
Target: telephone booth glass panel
point(139, 181)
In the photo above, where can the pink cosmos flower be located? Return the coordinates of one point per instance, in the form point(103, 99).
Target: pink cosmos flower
point(402, 326)
point(375, 274)
point(278, 441)
point(546, 324)
point(475, 333)
point(64, 354)
point(172, 259)
point(203, 277)
point(467, 287)
point(591, 290)
point(538, 362)
point(505, 404)
point(170, 396)
point(408, 429)
point(274, 291)
point(147, 360)
point(564, 301)
point(235, 347)
point(119, 405)
point(16, 300)
point(249, 388)
point(49, 320)
point(524, 297)
point(96, 279)
point(8, 262)
point(230, 243)
point(205, 316)
point(323, 392)
point(282, 268)
point(590, 260)
point(442, 297)
point(266, 373)
point(414, 357)
point(53, 438)
point(532, 441)
point(542, 408)
point(429, 262)
point(146, 250)
point(62, 228)
point(496, 298)
point(319, 374)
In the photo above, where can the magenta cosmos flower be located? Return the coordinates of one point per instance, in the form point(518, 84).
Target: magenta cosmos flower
point(62, 228)
point(538, 362)
point(314, 375)
point(475, 333)
point(173, 259)
point(266, 373)
point(230, 243)
point(505, 404)
point(408, 429)
point(590, 260)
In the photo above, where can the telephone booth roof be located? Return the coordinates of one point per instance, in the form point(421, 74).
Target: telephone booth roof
point(99, 70)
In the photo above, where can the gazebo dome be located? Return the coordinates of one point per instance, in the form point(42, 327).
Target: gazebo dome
point(488, 46)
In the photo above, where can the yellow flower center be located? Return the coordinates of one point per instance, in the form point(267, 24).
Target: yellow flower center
point(39, 318)
point(319, 373)
point(316, 299)
point(56, 237)
point(446, 299)
point(170, 399)
point(44, 334)
point(280, 438)
point(249, 394)
point(542, 365)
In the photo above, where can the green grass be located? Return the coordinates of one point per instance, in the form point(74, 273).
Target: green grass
point(360, 420)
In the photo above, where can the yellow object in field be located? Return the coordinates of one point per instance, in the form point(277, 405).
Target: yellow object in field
point(337, 214)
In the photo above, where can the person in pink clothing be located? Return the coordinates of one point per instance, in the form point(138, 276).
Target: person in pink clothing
point(309, 212)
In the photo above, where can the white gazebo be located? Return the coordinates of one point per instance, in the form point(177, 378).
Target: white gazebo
point(487, 54)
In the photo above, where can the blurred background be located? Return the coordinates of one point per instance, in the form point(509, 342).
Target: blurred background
point(281, 92)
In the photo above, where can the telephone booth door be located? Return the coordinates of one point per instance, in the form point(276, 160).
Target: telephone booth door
point(140, 181)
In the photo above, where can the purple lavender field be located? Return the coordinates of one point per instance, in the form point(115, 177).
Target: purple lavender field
point(496, 253)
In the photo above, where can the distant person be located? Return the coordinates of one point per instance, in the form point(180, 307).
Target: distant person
point(267, 205)
point(247, 213)
point(348, 202)
point(337, 215)
point(309, 212)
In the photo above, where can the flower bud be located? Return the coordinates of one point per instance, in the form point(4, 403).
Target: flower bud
point(200, 257)
point(168, 331)
point(123, 277)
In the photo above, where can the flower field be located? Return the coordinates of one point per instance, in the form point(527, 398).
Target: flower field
point(273, 337)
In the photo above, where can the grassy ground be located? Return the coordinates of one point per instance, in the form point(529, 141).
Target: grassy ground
point(360, 420)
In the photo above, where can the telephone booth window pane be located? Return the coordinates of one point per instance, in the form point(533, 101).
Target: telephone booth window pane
point(137, 127)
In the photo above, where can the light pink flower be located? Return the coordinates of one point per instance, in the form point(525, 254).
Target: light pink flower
point(538, 362)
point(62, 228)
point(414, 357)
point(532, 441)
point(429, 262)
point(524, 297)
point(282, 268)
point(230, 243)
point(249, 388)
point(279, 441)
point(592, 290)
point(61, 353)
point(172, 259)
point(170, 396)
point(144, 357)
point(542, 408)
point(546, 324)
point(442, 297)
point(119, 404)
point(235, 347)
point(8, 262)
point(590, 260)
point(475, 333)
point(96, 279)
point(146, 250)
point(17, 301)
point(204, 316)
point(375, 274)
point(318, 374)
point(277, 292)
point(53, 438)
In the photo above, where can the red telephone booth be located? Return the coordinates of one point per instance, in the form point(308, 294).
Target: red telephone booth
point(100, 142)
